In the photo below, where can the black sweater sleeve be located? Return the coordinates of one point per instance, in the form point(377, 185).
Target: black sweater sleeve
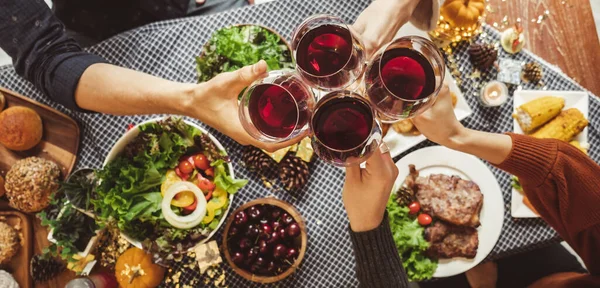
point(41, 51)
point(377, 261)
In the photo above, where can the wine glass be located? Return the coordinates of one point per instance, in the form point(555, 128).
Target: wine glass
point(404, 78)
point(329, 55)
point(345, 129)
point(277, 108)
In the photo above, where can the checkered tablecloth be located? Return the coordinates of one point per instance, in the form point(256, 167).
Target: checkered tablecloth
point(167, 50)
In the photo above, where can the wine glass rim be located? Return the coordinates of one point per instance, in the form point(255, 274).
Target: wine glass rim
point(253, 86)
point(423, 41)
point(344, 25)
point(353, 95)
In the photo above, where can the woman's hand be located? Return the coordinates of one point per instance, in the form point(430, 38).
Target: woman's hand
point(366, 191)
point(378, 24)
point(439, 123)
point(216, 104)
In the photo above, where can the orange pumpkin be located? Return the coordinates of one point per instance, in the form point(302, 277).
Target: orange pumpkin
point(463, 13)
point(135, 269)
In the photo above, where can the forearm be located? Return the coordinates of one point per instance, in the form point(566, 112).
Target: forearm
point(492, 147)
point(115, 90)
point(377, 261)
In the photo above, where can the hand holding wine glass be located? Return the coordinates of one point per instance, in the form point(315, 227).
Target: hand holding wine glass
point(216, 103)
point(379, 23)
point(367, 190)
point(439, 123)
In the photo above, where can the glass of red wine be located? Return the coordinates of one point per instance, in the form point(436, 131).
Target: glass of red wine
point(328, 54)
point(345, 129)
point(404, 78)
point(277, 108)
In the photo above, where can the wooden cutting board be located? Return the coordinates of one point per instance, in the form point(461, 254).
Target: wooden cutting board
point(60, 140)
point(60, 143)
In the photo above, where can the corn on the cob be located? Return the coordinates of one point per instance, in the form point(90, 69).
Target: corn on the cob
point(536, 113)
point(578, 145)
point(564, 127)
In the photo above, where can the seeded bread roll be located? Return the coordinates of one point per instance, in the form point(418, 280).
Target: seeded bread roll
point(20, 128)
point(9, 243)
point(30, 182)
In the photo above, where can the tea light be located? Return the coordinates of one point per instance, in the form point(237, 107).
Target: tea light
point(494, 93)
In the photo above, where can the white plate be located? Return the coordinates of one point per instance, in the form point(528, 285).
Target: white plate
point(441, 160)
point(573, 99)
point(398, 142)
point(131, 134)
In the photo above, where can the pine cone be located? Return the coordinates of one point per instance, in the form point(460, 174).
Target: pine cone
point(404, 196)
point(483, 56)
point(256, 160)
point(293, 173)
point(44, 268)
point(532, 72)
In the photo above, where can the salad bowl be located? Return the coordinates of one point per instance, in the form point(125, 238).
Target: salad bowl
point(131, 135)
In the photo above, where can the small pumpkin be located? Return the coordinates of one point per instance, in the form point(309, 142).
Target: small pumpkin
point(135, 269)
point(462, 13)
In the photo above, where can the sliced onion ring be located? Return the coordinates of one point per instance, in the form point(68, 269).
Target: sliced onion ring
point(188, 221)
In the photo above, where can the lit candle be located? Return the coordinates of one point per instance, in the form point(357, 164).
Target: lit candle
point(494, 93)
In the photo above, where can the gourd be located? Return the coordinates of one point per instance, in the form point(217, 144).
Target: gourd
point(462, 13)
point(135, 269)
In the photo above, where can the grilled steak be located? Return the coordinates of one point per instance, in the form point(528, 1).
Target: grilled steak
point(449, 198)
point(448, 241)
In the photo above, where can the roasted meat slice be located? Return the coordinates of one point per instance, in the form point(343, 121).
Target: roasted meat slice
point(448, 241)
point(450, 198)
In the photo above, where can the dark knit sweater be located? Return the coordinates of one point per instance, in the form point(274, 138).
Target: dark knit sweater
point(377, 261)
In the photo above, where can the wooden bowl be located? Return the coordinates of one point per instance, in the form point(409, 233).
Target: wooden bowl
point(302, 238)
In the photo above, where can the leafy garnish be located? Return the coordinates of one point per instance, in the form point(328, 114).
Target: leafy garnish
point(409, 240)
point(516, 184)
point(232, 48)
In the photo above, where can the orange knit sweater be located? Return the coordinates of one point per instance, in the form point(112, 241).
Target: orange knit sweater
point(563, 185)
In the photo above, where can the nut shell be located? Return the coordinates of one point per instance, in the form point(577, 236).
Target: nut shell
point(20, 128)
point(9, 243)
point(30, 182)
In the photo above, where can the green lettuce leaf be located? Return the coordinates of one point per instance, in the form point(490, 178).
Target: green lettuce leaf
point(224, 181)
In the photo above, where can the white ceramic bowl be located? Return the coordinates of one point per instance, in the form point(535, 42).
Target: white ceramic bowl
point(131, 134)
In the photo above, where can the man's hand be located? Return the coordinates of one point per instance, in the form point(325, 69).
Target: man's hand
point(366, 191)
point(217, 105)
point(378, 24)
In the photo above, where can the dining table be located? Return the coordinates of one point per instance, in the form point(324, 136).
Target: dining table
point(168, 49)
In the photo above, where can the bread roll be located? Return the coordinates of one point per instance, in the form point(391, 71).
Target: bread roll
point(20, 128)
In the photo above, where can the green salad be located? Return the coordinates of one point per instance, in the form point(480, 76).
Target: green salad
point(133, 193)
point(410, 242)
point(234, 47)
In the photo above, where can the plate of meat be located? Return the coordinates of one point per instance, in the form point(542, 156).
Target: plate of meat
point(463, 198)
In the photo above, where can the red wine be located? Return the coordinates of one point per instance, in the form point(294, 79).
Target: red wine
point(404, 72)
point(327, 57)
point(274, 109)
point(343, 123)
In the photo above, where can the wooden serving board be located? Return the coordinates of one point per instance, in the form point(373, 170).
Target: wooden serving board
point(60, 143)
point(19, 265)
point(60, 140)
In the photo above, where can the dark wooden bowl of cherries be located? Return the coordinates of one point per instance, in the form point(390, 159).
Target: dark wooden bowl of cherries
point(265, 240)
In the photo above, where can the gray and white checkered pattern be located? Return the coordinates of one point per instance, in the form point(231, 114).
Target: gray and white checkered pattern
point(167, 50)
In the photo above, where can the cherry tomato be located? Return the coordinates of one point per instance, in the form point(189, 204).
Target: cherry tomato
point(210, 172)
point(191, 160)
point(424, 219)
point(185, 167)
point(205, 184)
point(192, 207)
point(414, 208)
point(201, 161)
point(181, 175)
